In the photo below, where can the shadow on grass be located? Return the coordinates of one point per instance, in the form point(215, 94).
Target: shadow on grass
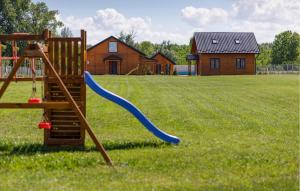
point(36, 148)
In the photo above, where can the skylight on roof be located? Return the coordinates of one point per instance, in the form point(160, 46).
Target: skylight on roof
point(214, 41)
point(237, 41)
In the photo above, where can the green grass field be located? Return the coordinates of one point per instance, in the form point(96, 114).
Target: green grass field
point(237, 132)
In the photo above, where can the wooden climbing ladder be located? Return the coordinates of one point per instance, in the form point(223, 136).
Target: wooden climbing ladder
point(64, 101)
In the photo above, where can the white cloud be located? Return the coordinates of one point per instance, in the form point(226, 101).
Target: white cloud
point(264, 17)
point(203, 16)
point(109, 21)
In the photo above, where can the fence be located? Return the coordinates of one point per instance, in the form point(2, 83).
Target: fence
point(278, 69)
point(24, 70)
point(184, 69)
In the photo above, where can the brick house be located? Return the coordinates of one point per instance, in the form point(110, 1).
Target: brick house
point(221, 53)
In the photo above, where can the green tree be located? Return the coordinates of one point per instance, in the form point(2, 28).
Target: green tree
point(166, 48)
point(128, 38)
point(40, 18)
point(147, 47)
point(264, 57)
point(13, 15)
point(66, 32)
point(285, 48)
point(26, 16)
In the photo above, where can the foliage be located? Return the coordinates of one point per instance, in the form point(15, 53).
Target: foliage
point(264, 58)
point(173, 51)
point(285, 48)
point(26, 16)
point(66, 32)
point(235, 136)
point(40, 18)
point(147, 47)
point(128, 38)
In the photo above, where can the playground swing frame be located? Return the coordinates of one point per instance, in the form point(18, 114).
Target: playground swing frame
point(33, 51)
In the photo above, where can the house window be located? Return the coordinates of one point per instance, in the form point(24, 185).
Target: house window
point(215, 63)
point(113, 47)
point(214, 41)
point(237, 41)
point(240, 63)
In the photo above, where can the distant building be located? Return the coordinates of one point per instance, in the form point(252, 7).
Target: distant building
point(113, 56)
point(221, 53)
point(163, 65)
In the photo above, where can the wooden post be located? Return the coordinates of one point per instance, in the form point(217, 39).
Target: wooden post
point(189, 68)
point(14, 53)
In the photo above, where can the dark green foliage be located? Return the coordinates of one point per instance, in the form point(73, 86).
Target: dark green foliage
point(147, 47)
point(173, 51)
point(264, 58)
point(285, 48)
point(26, 17)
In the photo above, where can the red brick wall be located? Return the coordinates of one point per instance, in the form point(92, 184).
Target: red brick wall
point(95, 56)
point(227, 64)
point(163, 61)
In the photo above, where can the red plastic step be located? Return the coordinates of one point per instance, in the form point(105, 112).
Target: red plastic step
point(45, 125)
point(34, 100)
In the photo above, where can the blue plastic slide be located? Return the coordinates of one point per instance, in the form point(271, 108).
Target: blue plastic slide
point(129, 107)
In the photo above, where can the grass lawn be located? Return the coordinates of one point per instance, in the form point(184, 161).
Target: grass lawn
point(237, 132)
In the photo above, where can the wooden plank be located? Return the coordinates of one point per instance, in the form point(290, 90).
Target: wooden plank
point(83, 68)
point(22, 79)
point(47, 105)
point(63, 58)
point(76, 54)
point(64, 39)
point(77, 110)
point(51, 55)
point(70, 58)
point(18, 37)
point(62, 142)
point(82, 53)
point(56, 56)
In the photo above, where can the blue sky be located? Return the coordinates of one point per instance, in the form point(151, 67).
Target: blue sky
point(176, 20)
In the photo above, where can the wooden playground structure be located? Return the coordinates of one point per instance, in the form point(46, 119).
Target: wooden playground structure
point(64, 92)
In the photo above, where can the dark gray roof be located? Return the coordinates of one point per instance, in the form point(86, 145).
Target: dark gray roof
point(226, 42)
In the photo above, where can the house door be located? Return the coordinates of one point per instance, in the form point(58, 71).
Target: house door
point(158, 68)
point(113, 67)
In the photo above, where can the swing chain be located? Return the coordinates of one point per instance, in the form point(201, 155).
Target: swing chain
point(33, 78)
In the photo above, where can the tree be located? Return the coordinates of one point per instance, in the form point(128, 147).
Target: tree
point(66, 32)
point(28, 17)
point(147, 47)
point(167, 49)
point(264, 57)
point(128, 38)
point(40, 18)
point(285, 48)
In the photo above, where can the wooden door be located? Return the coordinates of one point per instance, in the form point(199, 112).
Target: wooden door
point(113, 67)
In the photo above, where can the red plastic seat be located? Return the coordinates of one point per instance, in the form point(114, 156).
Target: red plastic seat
point(34, 100)
point(45, 125)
